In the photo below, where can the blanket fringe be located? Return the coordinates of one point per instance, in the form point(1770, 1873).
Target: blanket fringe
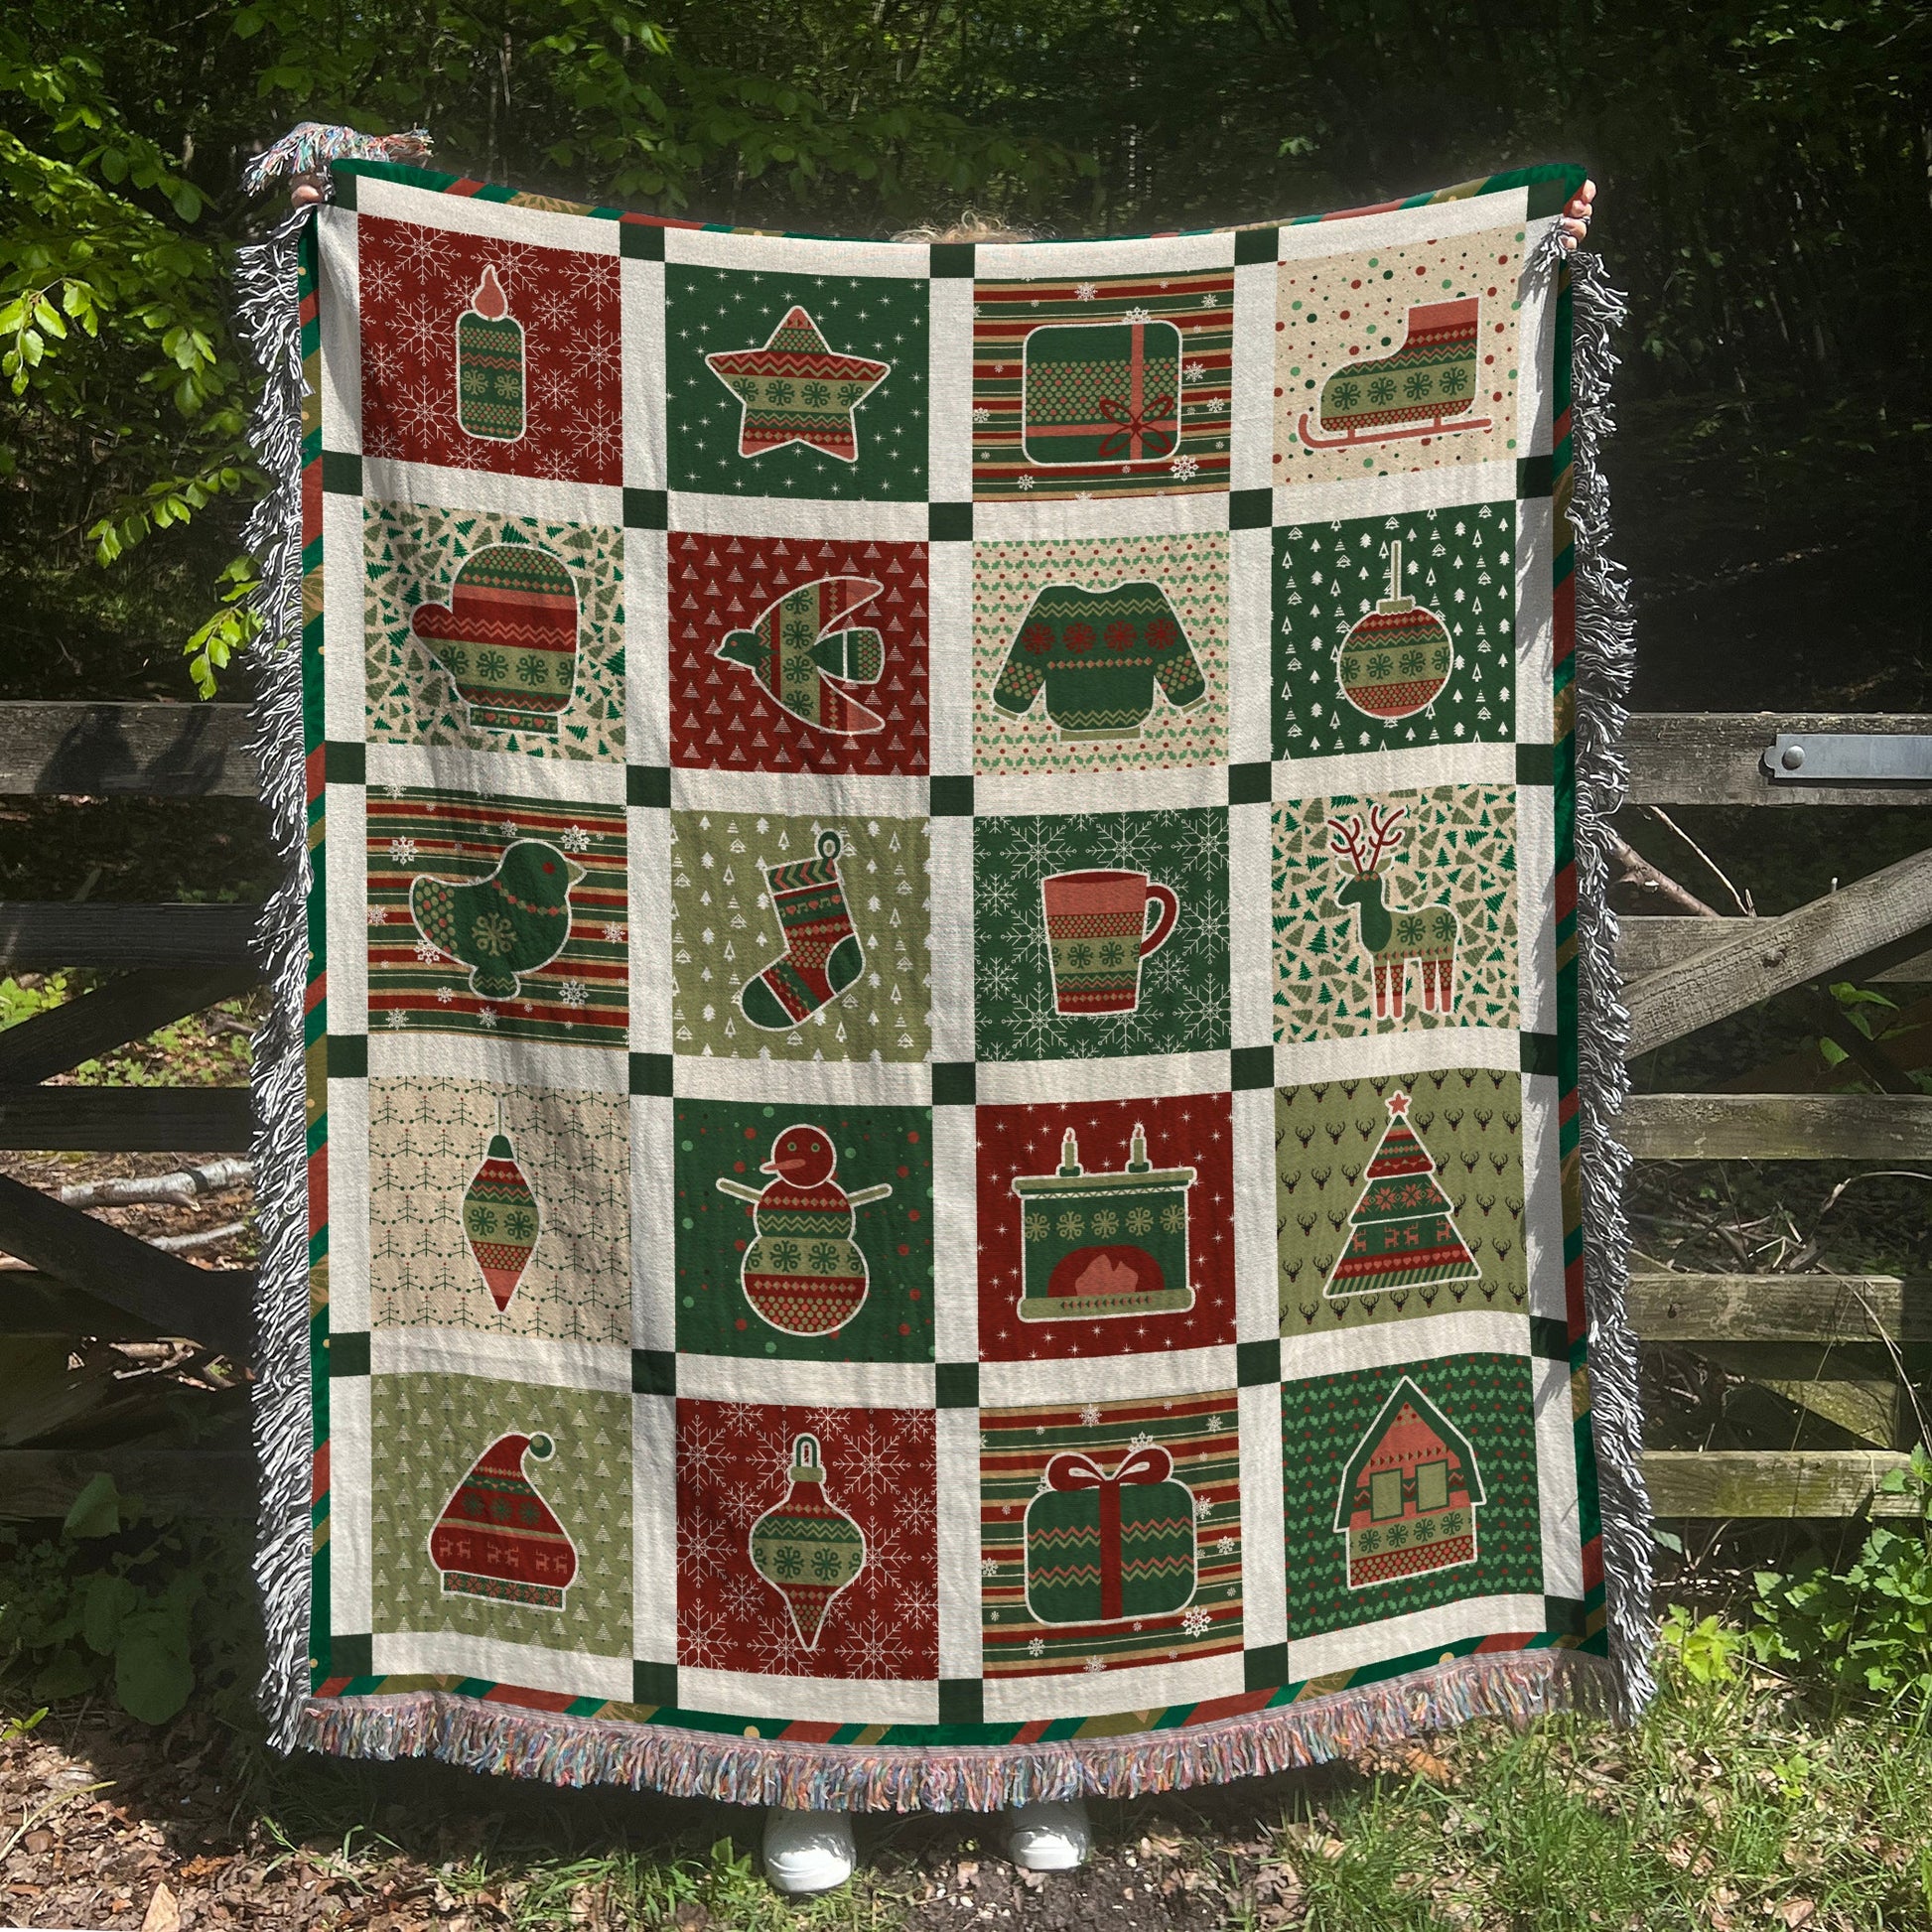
point(268, 317)
point(1605, 660)
point(1514, 1686)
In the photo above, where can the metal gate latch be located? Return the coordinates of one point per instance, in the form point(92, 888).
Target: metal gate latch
point(1850, 757)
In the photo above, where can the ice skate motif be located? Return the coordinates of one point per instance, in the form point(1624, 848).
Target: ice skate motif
point(1425, 387)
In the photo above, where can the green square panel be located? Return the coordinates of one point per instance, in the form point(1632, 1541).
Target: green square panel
point(653, 1371)
point(1256, 246)
point(803, 1234)
point(351, 1655)
point(640, 241)
point(348, 1353)
point(646, 509)
point(1265, 1667)
point(744, 421)
point(953, 1083)
point(949, 522)
point(957, 1385)
point(654, 1683)
point(962, 1700)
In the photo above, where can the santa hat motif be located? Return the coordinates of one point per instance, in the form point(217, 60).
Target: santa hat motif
point(498, 1538)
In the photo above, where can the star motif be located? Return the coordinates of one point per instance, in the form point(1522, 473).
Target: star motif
point(797, 389)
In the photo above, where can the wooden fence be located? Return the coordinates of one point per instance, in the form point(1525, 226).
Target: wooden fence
point(1832, 1344)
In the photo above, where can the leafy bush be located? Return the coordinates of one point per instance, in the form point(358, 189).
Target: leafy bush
point(1706, 1649)
point(1868, 1633)
point(109, 1597)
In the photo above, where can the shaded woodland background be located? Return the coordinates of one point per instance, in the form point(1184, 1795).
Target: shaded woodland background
point(1764, 182)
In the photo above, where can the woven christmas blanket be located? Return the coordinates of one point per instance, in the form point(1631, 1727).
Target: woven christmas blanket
point(937, 1126)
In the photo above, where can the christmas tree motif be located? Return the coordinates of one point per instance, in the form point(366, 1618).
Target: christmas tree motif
point(803, 1273)
point(497, 1537)
point(806, 1547)
point(1095, 1245)
point(1402, 1231)
point(1395, 661)
point(502, 1217)
point(1410, 1493)
point(823, 954)
point(803, 640)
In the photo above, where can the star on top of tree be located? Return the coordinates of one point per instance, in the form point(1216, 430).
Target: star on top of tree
point(1398, 1105)
point(797, 389)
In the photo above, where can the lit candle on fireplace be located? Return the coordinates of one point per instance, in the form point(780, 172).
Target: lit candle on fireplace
point(489, 364)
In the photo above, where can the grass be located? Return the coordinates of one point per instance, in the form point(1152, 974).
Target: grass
point(1735, 1803)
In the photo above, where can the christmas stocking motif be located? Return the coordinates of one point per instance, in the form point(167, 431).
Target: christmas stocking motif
point(803, 1273)
point(1098, 654)
point(798, 643)
point(1402, 1230)
point(502, 1217)
point(823, 953)
point(1409, 1493)
point(806, 1547)
point(496, 1538)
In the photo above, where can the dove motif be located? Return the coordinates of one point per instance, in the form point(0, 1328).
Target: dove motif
point(803, 640)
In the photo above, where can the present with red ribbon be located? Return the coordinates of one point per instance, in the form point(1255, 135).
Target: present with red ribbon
point(1104, 1546)
point(1101, 392)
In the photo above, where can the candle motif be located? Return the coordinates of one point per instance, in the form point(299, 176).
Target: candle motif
point(489, 364)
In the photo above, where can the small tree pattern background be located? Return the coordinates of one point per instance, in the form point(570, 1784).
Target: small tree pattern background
point(1459, 562)
point(1471, 1122)
point(1191, 568)
point(427, 1430)
point(427, 1136)
point(733, 1464)
point(733, 1139)
point(1489, 1399)
point(1458, 848)
point(724, 932)
point(877, 316)
point(411, 553)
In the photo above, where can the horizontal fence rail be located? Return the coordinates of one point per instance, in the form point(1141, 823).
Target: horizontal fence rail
point(1832, 1345)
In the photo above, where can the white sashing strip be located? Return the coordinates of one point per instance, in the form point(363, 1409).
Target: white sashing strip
point(339, 308)
point(1556, 1476)
point(545, 1363)
point(1306, 242)
point(450, 768)
point(503, 221)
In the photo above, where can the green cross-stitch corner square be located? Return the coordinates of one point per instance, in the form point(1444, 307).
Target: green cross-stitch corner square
point(350, 1655)
point(648, 785)
point(1257, 1363)
point(957, 1385)
point(1549, 1338)
point(1250, 1068)
point(342, 474)
point(1541, 1053)
point(348, 1353)
point(1265, 1667)
point(653, 1371)
point(962, 1700)
point(654, 1684)
point(345, 763)
point(952, 797)
point(651, 1073)
point(640, 241)
point(349, 1056)
point(646, 509)
point(953, 1083)
point(1256, 246)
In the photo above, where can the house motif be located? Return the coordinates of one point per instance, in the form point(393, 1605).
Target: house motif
point(1408, 1494)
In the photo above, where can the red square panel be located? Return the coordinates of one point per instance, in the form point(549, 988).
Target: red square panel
point(1120, 1242)
point(792, 654)
point(806, 1541)
point(479, 353)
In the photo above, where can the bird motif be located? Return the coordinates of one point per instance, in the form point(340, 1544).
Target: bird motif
point(798, 643)
point(512, 922)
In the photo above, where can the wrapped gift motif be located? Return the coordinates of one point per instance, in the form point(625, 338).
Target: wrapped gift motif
point(502, 1217)
point(489, 364)
point(1103, 1244)
point(806, 1547)
point(1101, 392)
point(498, 1538)
point(1408, 1494)
point(1101, 1547)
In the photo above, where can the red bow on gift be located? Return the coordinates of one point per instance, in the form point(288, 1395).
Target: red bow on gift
point(1073, 1471)
point(1134, 429)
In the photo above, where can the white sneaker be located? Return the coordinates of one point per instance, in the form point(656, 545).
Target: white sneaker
point(807, 1850)
point(1052, 1836)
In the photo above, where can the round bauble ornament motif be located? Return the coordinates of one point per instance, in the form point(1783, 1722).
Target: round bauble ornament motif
point(1395, 660)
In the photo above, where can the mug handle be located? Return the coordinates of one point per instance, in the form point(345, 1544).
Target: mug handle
point(1170, 905)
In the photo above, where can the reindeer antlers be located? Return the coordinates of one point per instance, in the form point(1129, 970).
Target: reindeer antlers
point(1366, 849)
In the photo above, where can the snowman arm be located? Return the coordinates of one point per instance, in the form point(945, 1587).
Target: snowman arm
point(739, 1191)
point(866, 1194)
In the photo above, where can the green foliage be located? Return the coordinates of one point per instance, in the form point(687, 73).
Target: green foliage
point(18, 1002)
point(1706, 1649)
point(109, 1600)
point(1865, 1634)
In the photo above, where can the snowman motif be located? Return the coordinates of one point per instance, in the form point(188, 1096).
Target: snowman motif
point(803, 1274)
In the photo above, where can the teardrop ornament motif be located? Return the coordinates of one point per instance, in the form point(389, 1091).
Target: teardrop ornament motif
point(806, 1547)
point(502, 1217)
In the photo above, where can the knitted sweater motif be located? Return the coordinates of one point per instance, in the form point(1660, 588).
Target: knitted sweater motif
point(1099, 654)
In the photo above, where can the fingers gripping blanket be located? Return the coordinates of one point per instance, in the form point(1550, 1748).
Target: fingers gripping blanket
point(923, 1140)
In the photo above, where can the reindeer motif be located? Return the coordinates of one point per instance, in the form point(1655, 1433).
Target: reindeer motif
point(1395, 934)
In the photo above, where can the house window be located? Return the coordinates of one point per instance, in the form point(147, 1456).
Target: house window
point(1385, 1494)
point(1431, 1485)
